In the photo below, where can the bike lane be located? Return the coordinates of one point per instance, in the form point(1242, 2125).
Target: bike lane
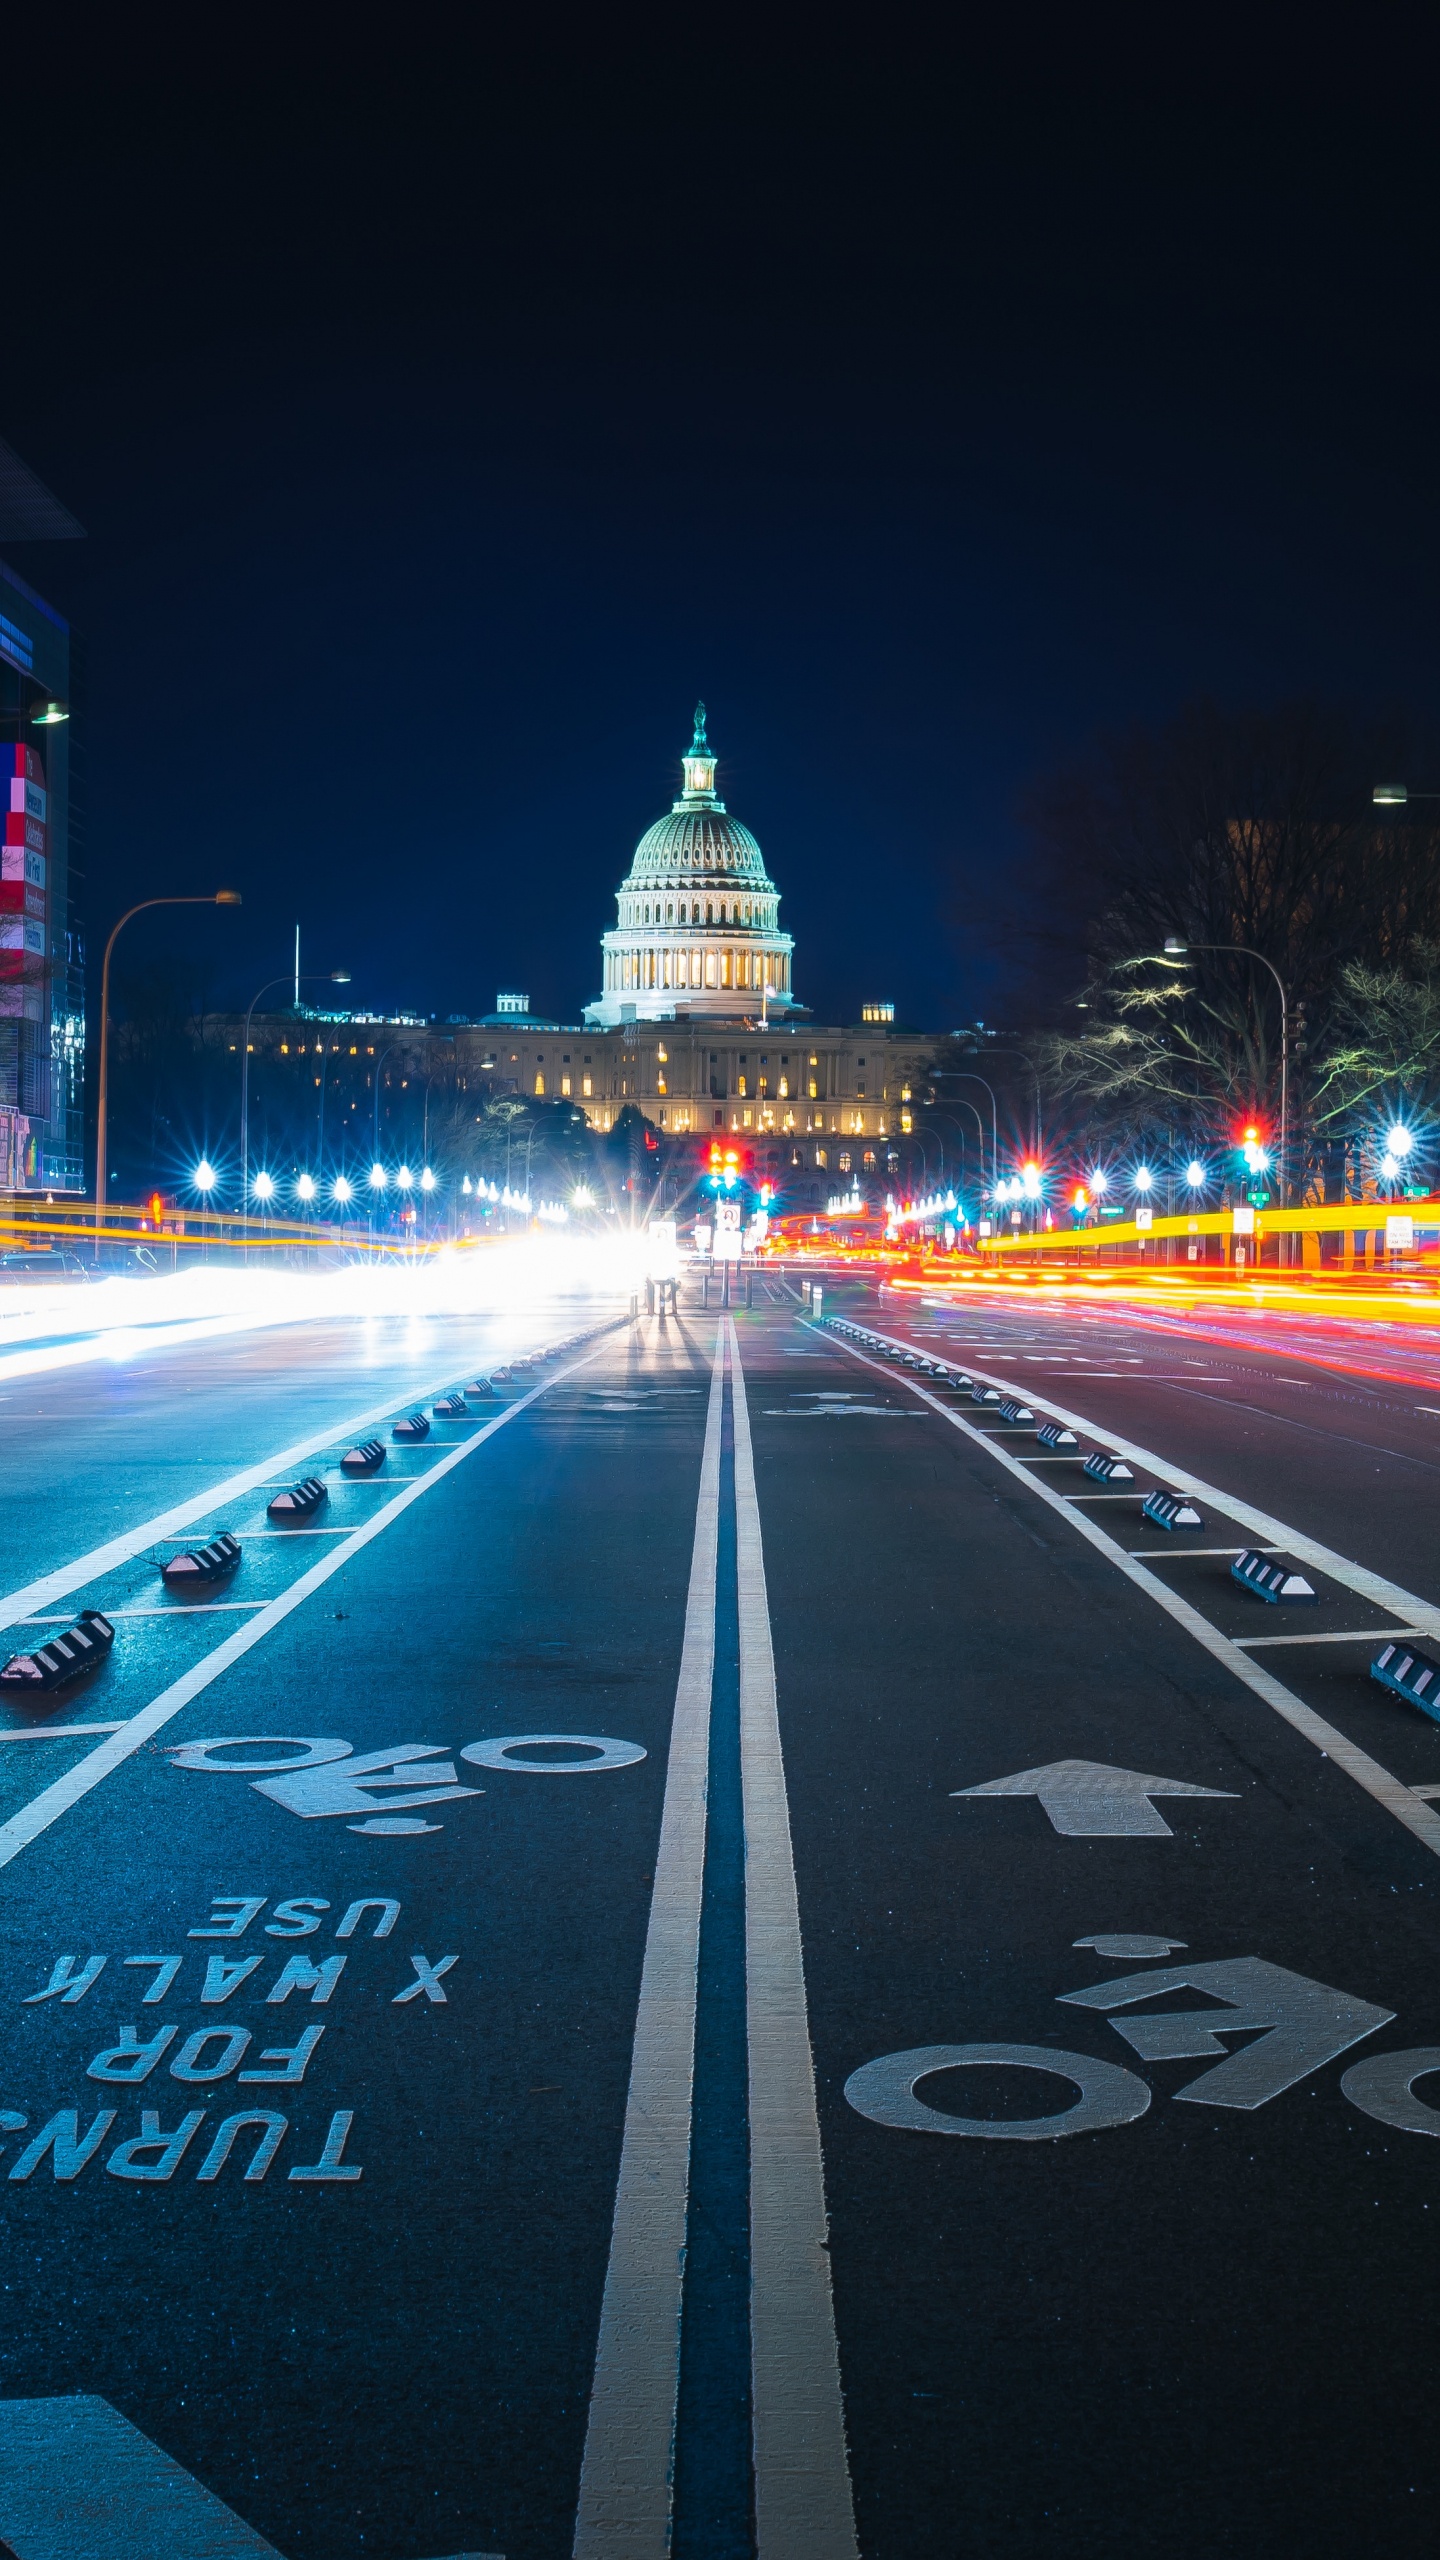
point(1204, 2325)
point(396, 2361)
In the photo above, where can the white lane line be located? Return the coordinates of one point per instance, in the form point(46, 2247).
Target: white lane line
point(54, 1732)
point(1379, 1782)
point(627, 2475)
point(162, 1609)
point(166, 1524)
point(803, 2504)
point(37, 1816)
point(1343, 1635)
point(1177, 1555)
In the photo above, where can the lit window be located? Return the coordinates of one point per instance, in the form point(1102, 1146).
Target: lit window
point(661, 1085)
point(284, 1048)
point(822, 1156)
point(664, 1056)
point(539, 1084)
point(905, 1122)
point(869, 1159)
point(784, 1087)
point(814, 1089)
point(843, 1162)
point(565, 1085)
point(586, 1087)
point(904, 1093)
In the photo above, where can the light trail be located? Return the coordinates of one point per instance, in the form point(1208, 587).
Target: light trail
point(56, 1325)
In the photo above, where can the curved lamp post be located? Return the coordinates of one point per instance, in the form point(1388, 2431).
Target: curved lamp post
point(1175, 949)
point(217, 898)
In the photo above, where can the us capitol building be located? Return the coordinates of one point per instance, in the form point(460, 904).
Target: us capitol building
point(697, 1025)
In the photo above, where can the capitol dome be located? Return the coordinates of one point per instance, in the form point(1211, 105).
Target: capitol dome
point(697, 916)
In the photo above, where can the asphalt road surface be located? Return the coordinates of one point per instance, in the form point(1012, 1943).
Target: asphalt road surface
point(728, 1955)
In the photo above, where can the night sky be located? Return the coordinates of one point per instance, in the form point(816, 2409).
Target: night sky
point(447, 410)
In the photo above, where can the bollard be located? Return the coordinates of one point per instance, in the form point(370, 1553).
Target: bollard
point(450, 1406)
point(204, 1564)
point(364, 1459)
point(1268, 1580)
point(300, 1500)
point(1056, 1435)
point(82, 1647)
point(414, 1427)
point(1103, 1467)
point(1411, 1675)
point(1171, 1510)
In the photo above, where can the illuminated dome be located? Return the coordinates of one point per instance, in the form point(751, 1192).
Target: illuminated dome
point(697, 916)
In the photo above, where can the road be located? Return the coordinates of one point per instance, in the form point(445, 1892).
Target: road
point(730, 1955)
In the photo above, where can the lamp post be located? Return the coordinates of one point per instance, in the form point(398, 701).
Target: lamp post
point(338, 978)
point(1175, 949)
point(966, 1075)
point(216, 898)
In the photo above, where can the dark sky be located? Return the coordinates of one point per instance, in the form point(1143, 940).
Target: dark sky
point(448, 408)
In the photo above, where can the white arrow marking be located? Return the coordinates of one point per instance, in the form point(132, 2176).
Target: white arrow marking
point(1086, 1800)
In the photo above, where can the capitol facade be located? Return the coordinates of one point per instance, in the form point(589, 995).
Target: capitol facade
point(697, 932)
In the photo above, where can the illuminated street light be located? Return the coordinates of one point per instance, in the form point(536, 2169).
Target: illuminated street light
point(1399, 1140)
point(1195, 1174)
point(404, 1177)
point(342, 1190)
point(1030, 1182)
point(263, 1186)
point(306, 1186)
point(1144, 1178)
point(1390, 1168)
point(427, 1180)
point(582, 1197)
point(1099, 1181)
point(205, 1175)
point(378, 1177)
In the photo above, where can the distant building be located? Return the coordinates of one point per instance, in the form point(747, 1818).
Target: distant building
point(697, 1027)
point(42, 951)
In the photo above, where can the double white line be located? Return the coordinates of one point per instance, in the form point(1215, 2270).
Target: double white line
point(803, 2505)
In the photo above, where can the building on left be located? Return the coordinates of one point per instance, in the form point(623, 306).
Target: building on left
point(42, 947)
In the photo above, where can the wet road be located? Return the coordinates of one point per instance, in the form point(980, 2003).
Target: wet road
point(730, 1955)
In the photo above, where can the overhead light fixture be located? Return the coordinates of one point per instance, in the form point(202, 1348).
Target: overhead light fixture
point(49, 715)
point(1389, 795)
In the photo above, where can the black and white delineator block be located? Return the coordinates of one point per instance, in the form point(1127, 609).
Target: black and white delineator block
point(298, 1500)
point(1103, 1467)
point(416, 1426)
point(1172, 1510)
point(961, 1378)
point(1411, 1675)
point(1269, 1580)
point(1056, 1435)
point(448, 1406)
point(204, 1564)
point(1011, 1410)
point(984, 1395)
point(81, 1648)
point(364, 1458)
point(501, 1377)
point(478, 1390)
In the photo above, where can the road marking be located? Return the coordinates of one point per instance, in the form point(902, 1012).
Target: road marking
point(1169, 1554)
point(803, 2504)
point(1091, 1800)
point(1377, 1781)
point(626, 2477)
point(54, 1732)
point(167, 1524)
point(1341, 1635)
point(162, 1609)
point(37, 1816)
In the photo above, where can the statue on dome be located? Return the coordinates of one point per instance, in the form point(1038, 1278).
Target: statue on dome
point(699, 744)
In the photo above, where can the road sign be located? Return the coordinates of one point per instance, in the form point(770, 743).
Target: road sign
point(1087, 1800)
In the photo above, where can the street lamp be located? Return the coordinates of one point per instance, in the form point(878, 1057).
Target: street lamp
point(1175, 949)
point(1195, 1174)
point(342, 1190)
point(306, 1186)
point(204, 1177)
point(217, 898)
point(337, 978)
